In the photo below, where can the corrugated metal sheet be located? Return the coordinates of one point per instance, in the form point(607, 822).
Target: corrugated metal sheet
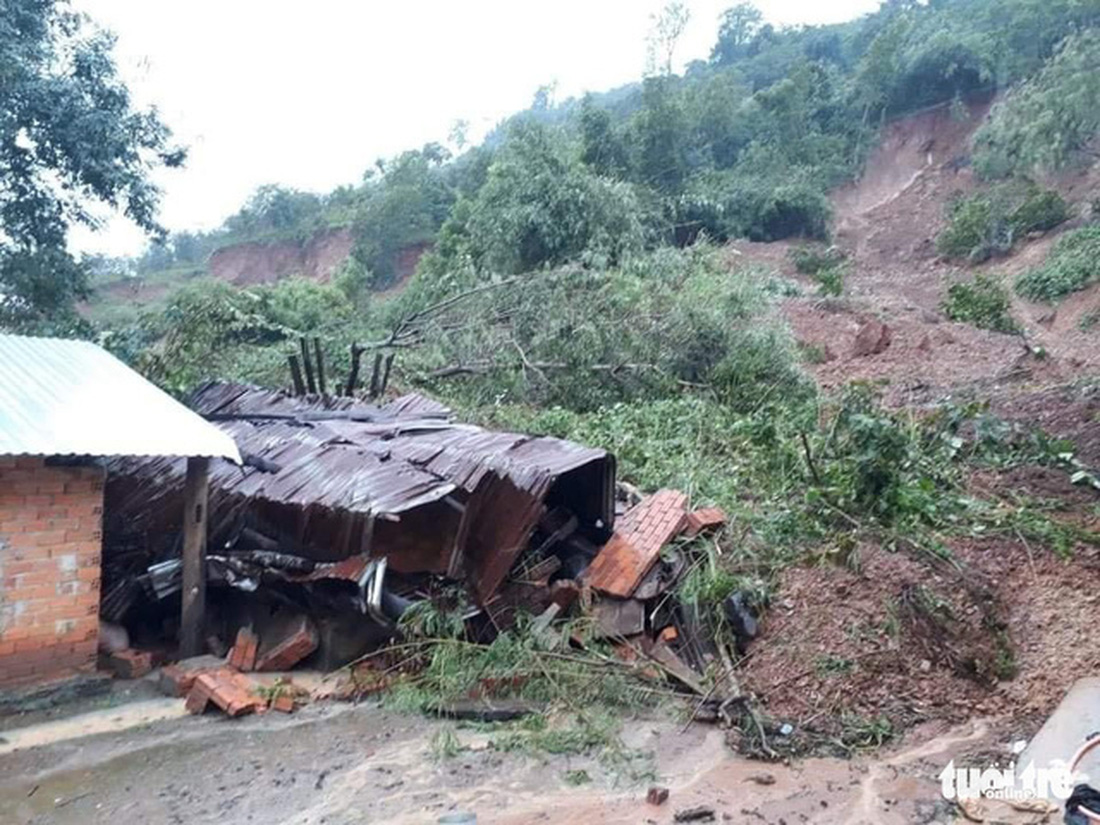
point(62, 397)
point(338, 477)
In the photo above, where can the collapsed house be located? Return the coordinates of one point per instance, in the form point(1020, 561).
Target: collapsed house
point(344, 509)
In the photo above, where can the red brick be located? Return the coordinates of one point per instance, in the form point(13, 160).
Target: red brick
point(127, 664)
point(295, 646)
point(706, 519)
point(229, 690)
point(622, 563)
point(243, 654)
point(283, 702)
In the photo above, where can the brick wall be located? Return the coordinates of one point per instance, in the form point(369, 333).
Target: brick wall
point(50, 543)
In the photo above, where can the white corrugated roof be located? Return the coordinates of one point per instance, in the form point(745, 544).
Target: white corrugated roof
point(74, 398)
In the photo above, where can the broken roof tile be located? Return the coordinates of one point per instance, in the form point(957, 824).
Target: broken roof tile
point(622, 563)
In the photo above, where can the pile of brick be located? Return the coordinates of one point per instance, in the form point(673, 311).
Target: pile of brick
point(209, 680)
point(628, 580)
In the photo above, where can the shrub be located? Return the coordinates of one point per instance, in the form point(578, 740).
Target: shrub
point(1042, 209)
point(810, 260)
point(989, 222)
point(983, 303)
point(1073, 264)
point(831, 280)
point(973, 231)
point(581, 337)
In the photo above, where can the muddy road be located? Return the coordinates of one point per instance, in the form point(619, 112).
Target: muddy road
point(341, 764)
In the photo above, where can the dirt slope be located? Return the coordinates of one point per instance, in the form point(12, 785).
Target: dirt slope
point(887, 222)
point(838, 641)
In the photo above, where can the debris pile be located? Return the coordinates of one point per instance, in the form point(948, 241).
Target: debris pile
point(346, 515)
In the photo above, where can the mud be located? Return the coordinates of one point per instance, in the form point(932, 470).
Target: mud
point(343, 764)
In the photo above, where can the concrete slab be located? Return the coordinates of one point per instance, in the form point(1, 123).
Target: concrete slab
point(1074, 721)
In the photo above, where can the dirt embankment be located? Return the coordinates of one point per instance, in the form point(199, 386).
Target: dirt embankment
point(853, 639)
point(266, 262)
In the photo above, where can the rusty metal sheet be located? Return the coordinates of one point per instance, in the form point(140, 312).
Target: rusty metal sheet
point(451, 497)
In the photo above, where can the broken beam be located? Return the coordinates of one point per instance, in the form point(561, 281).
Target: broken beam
point(196, 490)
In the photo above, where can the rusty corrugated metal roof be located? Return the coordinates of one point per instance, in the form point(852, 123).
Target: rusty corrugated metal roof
point(452, 498)
point(60, 397)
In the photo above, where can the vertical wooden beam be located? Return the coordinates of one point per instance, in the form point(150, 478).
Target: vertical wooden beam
point(320, 366)
point(308, 364)
point(196, 492)
point(296, 374)
point(353, 376)
point(386, 373)
point(376, 375)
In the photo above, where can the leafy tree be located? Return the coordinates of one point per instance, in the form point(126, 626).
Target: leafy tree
point(540, 206)
point(1048, 120)
point(70, 139)
point(406, 207)
point(660, 131)
point(668, 27)
point(602, 148)
point(278, 210)
point(736, 31)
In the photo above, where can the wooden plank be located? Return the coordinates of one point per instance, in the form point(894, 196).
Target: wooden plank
point(353, 376)
point(196, 490)
point(320, 366)
point(296, 374)
point(308, 364)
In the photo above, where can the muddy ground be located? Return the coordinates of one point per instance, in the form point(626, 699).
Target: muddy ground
point(342, 764)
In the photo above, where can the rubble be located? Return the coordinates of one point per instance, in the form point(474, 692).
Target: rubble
point(345, 515)
point(657, 796)
point(127, 663)
point(229, 690)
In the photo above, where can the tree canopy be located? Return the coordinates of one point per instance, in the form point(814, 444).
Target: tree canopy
point(70, 140)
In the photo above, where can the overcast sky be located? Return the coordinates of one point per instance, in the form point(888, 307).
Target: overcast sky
point(309, 94)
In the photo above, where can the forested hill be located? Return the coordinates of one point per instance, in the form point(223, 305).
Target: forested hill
point(746, 144)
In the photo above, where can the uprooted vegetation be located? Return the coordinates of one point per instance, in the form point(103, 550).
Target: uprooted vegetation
point(984, 302)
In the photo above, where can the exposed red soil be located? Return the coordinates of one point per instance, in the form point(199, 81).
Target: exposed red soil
point(264, 263)
point(887, 222)
point(837, 639)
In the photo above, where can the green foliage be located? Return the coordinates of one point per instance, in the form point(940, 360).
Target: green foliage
point(407, 206)
point(602, 148)
point(70, 139)
point(212, 330)
point(827, 266)
point(1046, 121)
point(831, 280)
point(809, 260)
point(1089, 321)
point(989, 222)
point(540, 206)
point(1073, 264)
point(585, 337)
point(983, 303)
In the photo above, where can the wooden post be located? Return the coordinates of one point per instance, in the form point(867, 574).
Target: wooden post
point(308, 364)
point(320, 366)
point(353, 376)
point(386, 373)
point(375, 375)
point(196, 489)
point(296, 374)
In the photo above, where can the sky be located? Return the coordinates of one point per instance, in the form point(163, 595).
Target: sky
point(309, 94)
